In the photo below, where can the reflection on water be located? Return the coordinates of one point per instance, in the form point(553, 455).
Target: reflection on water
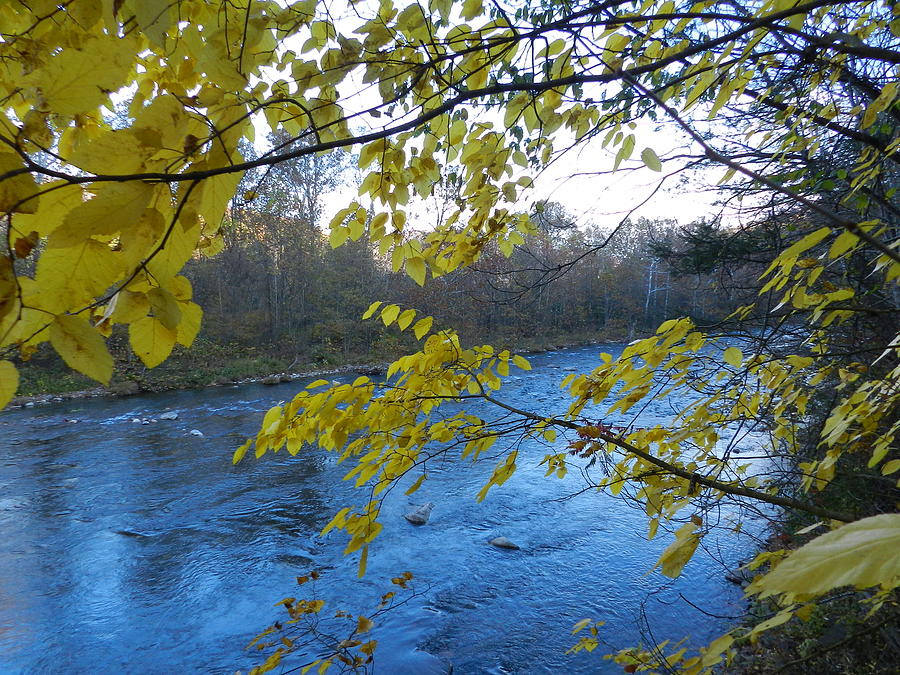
point(140, 548)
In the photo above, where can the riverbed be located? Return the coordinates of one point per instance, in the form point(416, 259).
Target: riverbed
point(133, 547)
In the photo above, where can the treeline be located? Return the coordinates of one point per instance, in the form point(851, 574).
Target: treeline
point(279, 282)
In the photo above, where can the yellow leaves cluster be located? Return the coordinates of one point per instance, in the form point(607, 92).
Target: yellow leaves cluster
point(391, 430)
point(110, 233)
point(861, 554)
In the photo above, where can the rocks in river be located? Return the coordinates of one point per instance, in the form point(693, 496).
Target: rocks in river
point(503, 542)
point(740, 576)
point(169, 415)
point(131, 533)
point(196, 432)
point(271, 379)
point(420, 515)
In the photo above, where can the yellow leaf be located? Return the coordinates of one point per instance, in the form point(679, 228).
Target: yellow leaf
point(471, 9)
point(415, 268)
point(371, 310)
point(521, 362)
point(177, 249)
point(189, 326)
point(18, 193)
point(733, 357)
point(8, 287)
point(862, 554)
point(405, 319)
point(140, 239)
point(116, 151)
point(581, 625)
point(364, 625)
point(82, 347)
point(679, 552)
point(339, 235)
point(57, 199)
point(363, 560)
point(9, 382)
point(127, 306)
point(890, 467)
point(241, 451)
point(415, 486)
point(165, 307)
point(422, 327)
point(151, 340)
point(75, 81)
point(153, 19)
point(389, 314)
point(114, 208)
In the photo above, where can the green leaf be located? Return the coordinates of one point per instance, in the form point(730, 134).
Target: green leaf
point(651, 160)
point(82, 347)
point(862, 554)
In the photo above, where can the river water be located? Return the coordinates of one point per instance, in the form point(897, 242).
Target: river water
point(132, 548)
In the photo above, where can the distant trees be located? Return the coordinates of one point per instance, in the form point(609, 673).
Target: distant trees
point(278, 277)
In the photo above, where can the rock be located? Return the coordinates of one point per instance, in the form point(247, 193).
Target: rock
point(503, 542)
point(170, 415)
point(127, 388)
point(739, 576)
point(131, 533)
point(271, 379)
point(136, 420)
point(420, 515)
point(196, 432)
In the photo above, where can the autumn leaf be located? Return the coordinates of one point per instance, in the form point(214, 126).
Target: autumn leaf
point(862, 554)
point(9, 382)
point(82, 347)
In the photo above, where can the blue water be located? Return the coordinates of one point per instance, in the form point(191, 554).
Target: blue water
point(133, 548)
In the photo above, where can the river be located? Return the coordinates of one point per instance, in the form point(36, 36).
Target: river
point(133, 548)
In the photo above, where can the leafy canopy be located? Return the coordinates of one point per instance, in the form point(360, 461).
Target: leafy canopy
point(101, 213)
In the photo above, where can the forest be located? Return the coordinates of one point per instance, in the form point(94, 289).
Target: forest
point(329, 181)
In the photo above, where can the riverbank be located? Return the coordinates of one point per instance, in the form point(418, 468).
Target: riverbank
point(48, 380)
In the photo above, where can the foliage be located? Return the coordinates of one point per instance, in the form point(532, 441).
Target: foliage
point(100, 218)
point(320, 636)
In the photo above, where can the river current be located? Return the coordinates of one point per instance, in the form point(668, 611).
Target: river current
point(139, 548)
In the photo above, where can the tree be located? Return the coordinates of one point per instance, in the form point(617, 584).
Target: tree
point(111, 215)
